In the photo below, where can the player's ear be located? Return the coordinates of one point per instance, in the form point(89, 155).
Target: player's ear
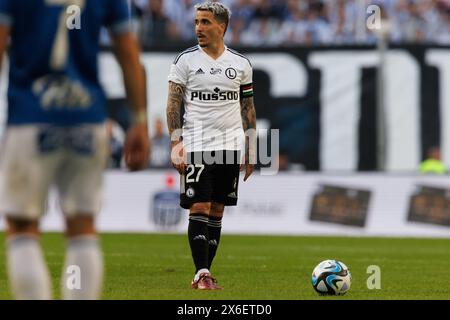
point(224, 28)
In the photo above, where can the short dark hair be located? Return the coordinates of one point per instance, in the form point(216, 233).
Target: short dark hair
point(221, 12)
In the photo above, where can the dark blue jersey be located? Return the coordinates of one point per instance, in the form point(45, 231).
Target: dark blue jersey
point(53, 76)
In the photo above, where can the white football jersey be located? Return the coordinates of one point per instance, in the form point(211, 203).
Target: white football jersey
point(214, 88)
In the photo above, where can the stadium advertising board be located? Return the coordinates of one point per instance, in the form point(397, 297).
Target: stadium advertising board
point(144, 202)
point(340, 205)
point(430, 205)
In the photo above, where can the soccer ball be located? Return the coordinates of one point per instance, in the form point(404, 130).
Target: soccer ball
point(331, 277)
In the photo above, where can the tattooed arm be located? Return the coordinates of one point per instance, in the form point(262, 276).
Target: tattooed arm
point(174, 100)
point(248, 115)
point(173, 113)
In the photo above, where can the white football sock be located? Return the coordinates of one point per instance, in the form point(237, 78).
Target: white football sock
point(199, 272)
point(27, 271)
point(83, 270)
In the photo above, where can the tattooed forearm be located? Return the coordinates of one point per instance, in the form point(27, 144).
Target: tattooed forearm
point(248, 113)
point(174, 100)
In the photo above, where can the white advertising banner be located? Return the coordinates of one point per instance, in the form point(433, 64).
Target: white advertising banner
point(281, 204)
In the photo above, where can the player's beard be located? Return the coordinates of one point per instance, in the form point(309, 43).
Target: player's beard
point(202, 44)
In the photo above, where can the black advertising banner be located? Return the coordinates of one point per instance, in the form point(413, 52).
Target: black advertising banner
point(430, 205)
point(337, 204)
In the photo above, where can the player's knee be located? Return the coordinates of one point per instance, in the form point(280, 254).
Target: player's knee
point(201, 207)
point(17, 226)
point(80, 225)
point(217, 209)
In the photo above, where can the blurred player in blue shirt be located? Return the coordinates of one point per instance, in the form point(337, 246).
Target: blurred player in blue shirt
point(56, 136)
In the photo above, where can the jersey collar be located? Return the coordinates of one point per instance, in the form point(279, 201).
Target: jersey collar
point(211, 58)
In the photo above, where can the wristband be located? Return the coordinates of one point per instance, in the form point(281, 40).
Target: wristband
point(139, 117)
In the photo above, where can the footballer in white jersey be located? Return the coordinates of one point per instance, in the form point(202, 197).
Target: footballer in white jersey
point(214, 87)
point(215, 84)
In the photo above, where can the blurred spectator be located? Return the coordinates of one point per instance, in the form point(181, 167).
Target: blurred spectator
point(156, 28)
point(242, 12)
point(433, 164)
point(414, 27)
point(293, 29)
point(438, 19)
point(181, 13)
point(283, 162)
point(160, 144)
point(319, 30)
point(264, 26)
point(116, 141)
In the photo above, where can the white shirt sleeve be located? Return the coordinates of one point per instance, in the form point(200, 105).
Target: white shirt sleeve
point(247, 82)
point(247, 77)
point(179, 71)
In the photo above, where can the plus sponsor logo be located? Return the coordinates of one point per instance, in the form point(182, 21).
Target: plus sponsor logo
point(216, 95)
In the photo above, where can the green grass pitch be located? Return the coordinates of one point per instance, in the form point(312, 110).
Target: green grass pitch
point(159, 266)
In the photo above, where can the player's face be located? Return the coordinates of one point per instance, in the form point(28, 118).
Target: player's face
point(207, 29)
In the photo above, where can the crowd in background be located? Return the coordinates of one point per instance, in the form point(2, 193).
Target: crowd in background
point(297, 22)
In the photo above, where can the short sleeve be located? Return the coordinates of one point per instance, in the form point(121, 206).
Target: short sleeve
point(118, 17)
point(179, 71)
point(6, 16)
point(247, 82)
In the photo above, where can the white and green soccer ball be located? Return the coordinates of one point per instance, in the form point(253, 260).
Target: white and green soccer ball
point(331, 277)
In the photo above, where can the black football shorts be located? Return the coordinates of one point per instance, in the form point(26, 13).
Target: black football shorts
point(210, 176)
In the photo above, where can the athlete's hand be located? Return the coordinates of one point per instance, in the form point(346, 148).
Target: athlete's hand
point(177, 156)
point(247, 165)
point(137, 147)
point(248, 170)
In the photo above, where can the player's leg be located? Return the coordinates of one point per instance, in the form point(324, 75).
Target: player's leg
point(27, 271)
point(214, 230)
point(225, 186)
point(83, 268)
point(198, 238)
point(195, 195)
point(79, 184)
point(27, 172)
